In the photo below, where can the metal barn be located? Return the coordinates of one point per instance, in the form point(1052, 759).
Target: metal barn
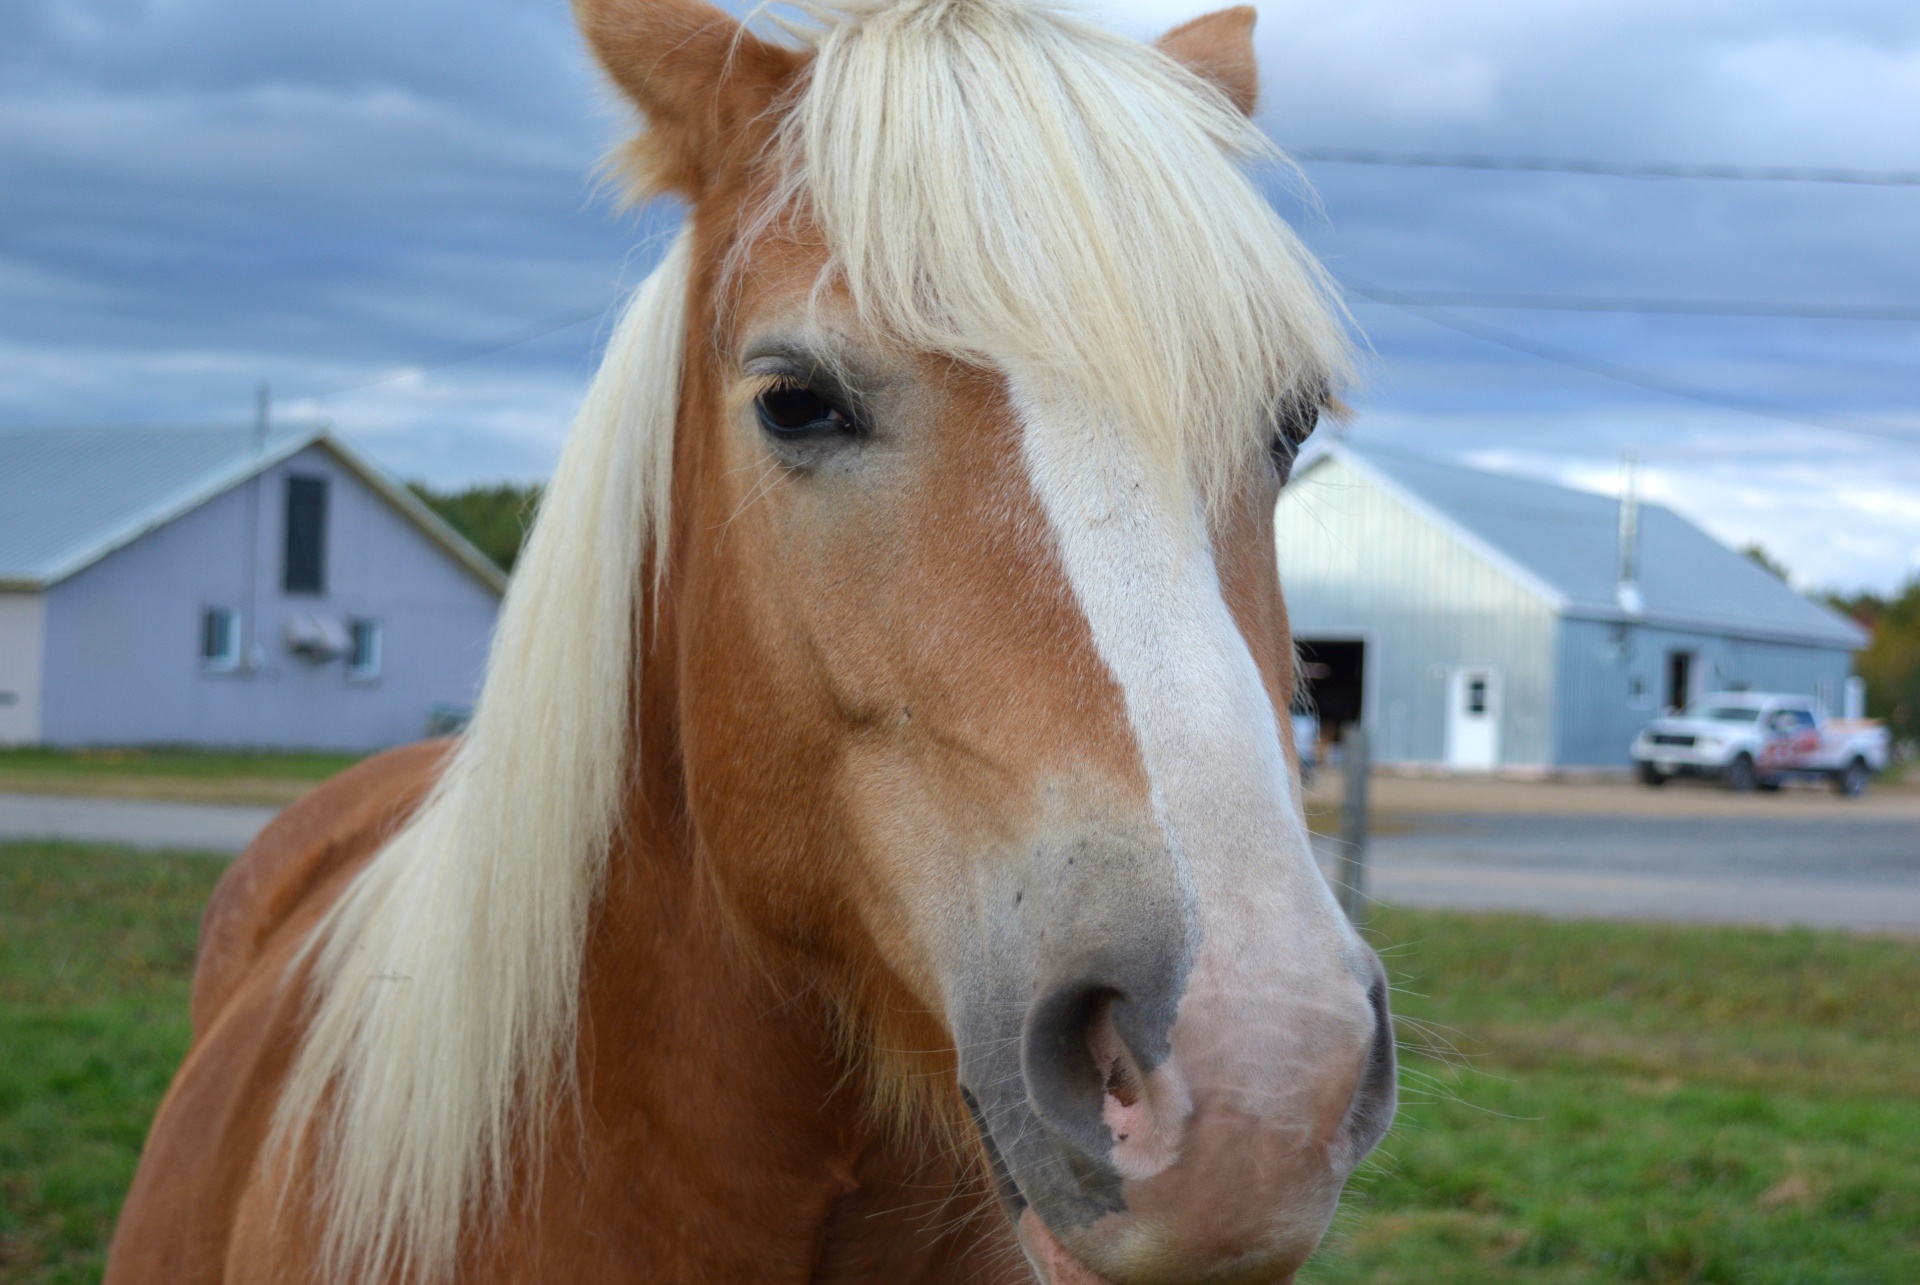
point(1475, 621)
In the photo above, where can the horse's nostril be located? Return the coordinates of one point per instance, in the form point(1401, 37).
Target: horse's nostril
point(1121, 1079)
point(1378, 1093)
point(1070, 1056)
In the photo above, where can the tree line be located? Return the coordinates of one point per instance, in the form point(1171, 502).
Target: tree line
point(493, 518)
point(1891, 662)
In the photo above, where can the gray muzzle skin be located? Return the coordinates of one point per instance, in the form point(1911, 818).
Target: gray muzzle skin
point(1098, 930)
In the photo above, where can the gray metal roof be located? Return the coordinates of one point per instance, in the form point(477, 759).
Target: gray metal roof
point(71, 496)
point(1565, 545)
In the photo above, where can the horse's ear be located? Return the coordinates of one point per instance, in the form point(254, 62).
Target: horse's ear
point(1219, 49)
point(699, 76)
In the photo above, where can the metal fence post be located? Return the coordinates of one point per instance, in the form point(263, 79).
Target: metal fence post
point(1353, 823)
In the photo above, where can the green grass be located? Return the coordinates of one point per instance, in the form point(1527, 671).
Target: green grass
point(177, 761)
point(96, 953)
point(1642, 1103)
point(1623, 1102)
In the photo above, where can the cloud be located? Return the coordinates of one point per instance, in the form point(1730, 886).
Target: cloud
point(204, 194)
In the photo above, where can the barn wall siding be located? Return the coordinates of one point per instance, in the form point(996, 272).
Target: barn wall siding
point(1360, 560)
point(23, 633)
point(123, 657)
point(1355, 562)
point(1600, 663)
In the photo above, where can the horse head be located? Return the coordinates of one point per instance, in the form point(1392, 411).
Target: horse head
point(966, 614)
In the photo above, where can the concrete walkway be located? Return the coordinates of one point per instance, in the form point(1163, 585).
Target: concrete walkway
point(139, 823)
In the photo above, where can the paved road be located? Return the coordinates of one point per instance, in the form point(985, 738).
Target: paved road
point(1839, 871)
point(140, 823)
point(1829, 871)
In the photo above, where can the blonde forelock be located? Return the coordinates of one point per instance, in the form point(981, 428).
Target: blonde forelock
point(1006, 183)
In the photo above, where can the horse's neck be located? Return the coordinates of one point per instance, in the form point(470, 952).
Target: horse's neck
point(723, 1136)
point(703, 1097)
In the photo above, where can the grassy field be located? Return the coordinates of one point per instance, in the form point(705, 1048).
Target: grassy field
point(206, 776)
point(1598, 1102)
point(1643, 1103)
point(96, 949)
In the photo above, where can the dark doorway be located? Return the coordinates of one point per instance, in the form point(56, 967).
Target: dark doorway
point(1679, 679)
point(1335, 679)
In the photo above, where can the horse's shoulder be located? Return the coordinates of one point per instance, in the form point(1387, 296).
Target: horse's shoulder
point(304, 854)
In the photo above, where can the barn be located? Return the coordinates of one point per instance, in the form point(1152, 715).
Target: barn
point(228, 587)
point(1477, 621)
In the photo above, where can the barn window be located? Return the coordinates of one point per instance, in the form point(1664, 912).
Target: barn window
point(363, 656)
point(306, 555)
point(219, 639)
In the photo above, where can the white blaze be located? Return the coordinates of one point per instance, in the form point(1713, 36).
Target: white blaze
point(1273, 945)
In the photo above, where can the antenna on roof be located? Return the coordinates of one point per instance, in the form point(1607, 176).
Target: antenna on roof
point(1627, 585)
point(262, 416)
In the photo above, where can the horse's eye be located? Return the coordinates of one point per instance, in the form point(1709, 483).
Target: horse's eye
point(1296, 420)
point(790, 410)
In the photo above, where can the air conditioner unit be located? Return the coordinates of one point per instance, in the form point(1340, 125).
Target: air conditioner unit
point(318, 639)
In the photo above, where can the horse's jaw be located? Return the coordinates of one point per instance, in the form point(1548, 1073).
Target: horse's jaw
point(1055, 1266)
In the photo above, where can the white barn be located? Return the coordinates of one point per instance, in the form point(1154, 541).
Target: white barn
point(1477, 621)
point(213, 586)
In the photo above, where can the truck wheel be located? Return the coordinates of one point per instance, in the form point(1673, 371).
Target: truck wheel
point(1651, 775)
point(1741, 776)
point(1852, 779)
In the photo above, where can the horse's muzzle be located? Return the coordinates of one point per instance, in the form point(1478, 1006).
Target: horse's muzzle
point(1151, 1137)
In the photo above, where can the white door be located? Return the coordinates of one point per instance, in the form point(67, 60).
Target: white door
point(1473, 718)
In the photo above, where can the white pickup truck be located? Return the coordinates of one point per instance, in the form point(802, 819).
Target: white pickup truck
point(1756, 740)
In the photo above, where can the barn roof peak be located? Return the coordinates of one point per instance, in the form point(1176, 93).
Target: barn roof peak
point(1563, 545)
point(69, 496)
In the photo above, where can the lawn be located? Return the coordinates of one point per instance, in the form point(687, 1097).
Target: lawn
point(1624, 1102)
point(96, 950)
point(1618, 1102)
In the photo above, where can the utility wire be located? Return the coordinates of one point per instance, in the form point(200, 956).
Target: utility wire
point(1635, 304)
point(1611, 169)
point(549, 325)
point(1428, 305)
point(1639, 378)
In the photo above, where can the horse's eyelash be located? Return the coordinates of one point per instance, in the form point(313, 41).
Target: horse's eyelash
point(759, 385)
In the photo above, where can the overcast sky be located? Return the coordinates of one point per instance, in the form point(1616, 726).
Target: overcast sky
point(199, 195)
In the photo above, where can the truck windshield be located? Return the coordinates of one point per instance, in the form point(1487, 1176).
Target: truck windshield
point(1719, 713)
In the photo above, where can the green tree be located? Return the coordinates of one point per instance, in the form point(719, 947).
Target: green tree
point(494, 518)
point(1891, 662)
point(1758, 553)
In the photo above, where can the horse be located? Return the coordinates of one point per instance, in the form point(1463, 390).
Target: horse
point(876, 854)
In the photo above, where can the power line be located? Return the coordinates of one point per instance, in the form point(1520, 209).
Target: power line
point(1429, 306)
point(552, 324)
point(1636, 304)
point(1610, 169)
point(1638, 378)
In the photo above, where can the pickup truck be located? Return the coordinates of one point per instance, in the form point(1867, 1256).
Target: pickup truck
point(1756, 740)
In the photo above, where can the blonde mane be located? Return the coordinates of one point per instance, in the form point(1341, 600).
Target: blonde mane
point(995, 179)
point(447, 976)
